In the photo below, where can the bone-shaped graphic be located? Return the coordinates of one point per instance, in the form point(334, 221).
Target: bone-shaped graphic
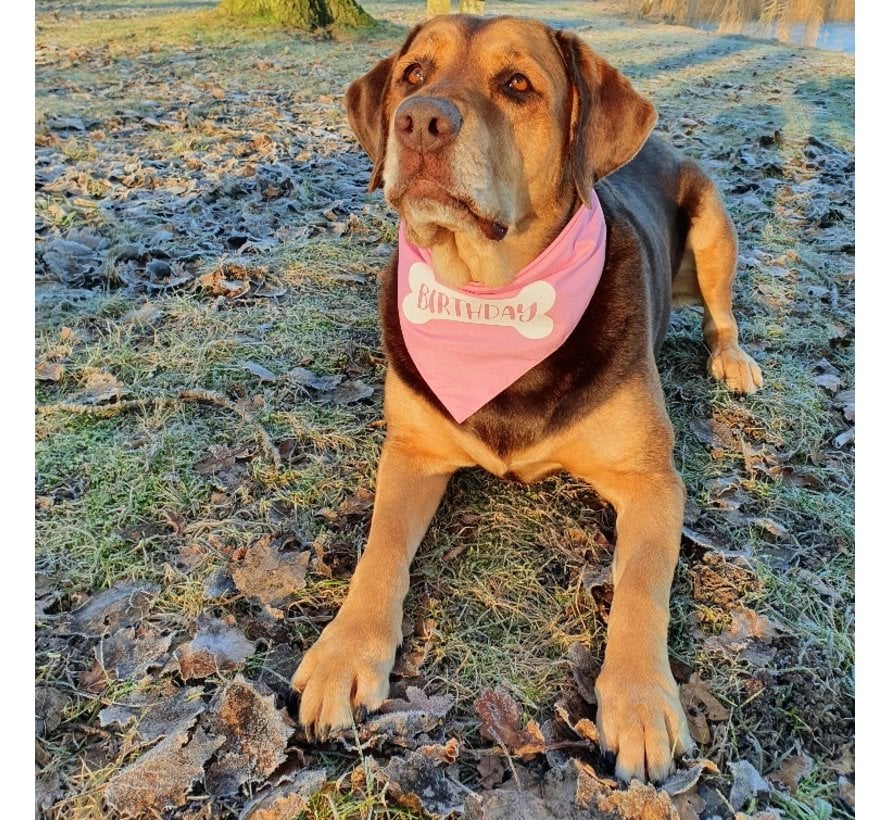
point(526, 312)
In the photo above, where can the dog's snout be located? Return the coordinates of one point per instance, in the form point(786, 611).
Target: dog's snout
point(427, 124)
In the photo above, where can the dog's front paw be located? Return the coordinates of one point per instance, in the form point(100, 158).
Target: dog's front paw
point(732, 365)
point(346, 672)
point(640, 720)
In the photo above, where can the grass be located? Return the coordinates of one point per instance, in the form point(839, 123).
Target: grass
point(499, 574)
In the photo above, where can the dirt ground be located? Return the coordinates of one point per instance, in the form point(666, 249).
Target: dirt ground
point(208, 390)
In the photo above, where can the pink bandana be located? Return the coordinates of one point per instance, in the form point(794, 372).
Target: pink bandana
point(472, 343)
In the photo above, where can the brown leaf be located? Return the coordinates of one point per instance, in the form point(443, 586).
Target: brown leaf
point(218, 646)
point(697, 694)
point(440, 754)
point(585, 669)
point(49, 371)
point(501, 723)
point(829, 381)
point(146, 314)
point(161, 778)
point(50, 704)
point(492, 769)
point(129, 655)
point(101, 388)
point(845, 763)
point(683, 780)
point(262, 373)
point(288, 800)
point(269, 575)
point(418, 786)
point(121, 605)
point(255, 735)
point(746, 625)
point(638, 802)
point(401, 722)
point(157, 714)
point(791, 771)
point(349, 392)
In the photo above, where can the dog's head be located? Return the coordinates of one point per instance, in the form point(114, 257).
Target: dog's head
point(484, 134)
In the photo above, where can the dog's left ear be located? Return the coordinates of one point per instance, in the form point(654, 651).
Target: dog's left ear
point(610, 121)
point(367, 104)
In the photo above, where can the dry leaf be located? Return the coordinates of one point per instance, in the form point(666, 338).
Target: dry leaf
point(419, 786)
point(126, 655)
point(585, 669)
point(157, 714)
point(638, 802)
point(746, 625)
point(161, 778)
point(270, 575)
point(696, 694)
point(49, 372)
point(255, 735)
point(121, 605)
point(791, 771)
point(100, 388)
point(440, 754)
point(288, 800)
point(747, 782)
point(501, 723)
point(847, 790)
point(218, 646)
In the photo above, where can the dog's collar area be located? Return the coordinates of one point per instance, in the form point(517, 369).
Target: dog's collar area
point(471, 343)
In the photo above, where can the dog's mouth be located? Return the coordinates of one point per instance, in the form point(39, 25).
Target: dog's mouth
point(422, 188)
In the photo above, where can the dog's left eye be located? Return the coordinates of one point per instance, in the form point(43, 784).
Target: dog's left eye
point(519, 83)
point(414, 74)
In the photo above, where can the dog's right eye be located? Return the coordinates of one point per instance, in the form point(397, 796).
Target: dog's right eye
point(414, 74)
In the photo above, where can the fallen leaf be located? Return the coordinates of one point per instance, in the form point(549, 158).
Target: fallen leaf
point(50, 705)
point(255, 735)
point(262, 373)
point(157, 714)
point(697, 694)
point(791, 771)
point(501, 723)
point(301, 377)
point(269, 575)
point(100, 388)
point(146, 314)
point(114, 608)
point(49, 372)
point(746, 625)
point(491, 768)
point(845, 763)
point(162, 777)
point(419, 785)
point(348, 392)
point(403, 722)
point(847, 790)
point(585, 669)
point(440, 754)
point(747, 782)
point(640, 801)
point(288, 800)
point(829, 381)
point(129, 654)
point(218, 646)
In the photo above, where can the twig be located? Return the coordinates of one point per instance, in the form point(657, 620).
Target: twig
point(199, 396)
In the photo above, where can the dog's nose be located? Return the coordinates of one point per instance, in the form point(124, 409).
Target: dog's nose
point(427, 124)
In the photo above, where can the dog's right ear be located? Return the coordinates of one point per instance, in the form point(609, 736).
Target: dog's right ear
point(367, 104)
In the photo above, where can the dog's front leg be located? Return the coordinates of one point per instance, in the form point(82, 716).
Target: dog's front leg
point(348, 668)
point(626, 455)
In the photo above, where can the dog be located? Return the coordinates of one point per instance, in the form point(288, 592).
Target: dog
point(503, 144)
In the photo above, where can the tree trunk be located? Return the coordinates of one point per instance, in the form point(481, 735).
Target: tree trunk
point(303, 14)
point(472, 6)
point(434, 7)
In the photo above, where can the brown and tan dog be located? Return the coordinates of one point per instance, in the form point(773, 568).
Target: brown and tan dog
point(487, 135)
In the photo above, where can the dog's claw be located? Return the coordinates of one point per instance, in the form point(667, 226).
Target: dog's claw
point(361, 712)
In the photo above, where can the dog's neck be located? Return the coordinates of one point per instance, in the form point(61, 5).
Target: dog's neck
point(460, 258)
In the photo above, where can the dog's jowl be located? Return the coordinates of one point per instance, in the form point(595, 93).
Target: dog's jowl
point(544, 236)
